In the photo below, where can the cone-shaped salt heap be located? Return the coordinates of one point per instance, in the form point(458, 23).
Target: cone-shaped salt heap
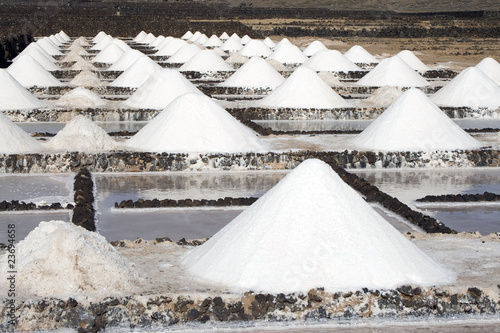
point(195, 36)
point(255, 48)
point(157, 41)
point(171, 47)
point(100, 35)
point(148, 39)
point(314, 47)
point(160, 89)
point(358, 55)
point(82, 134)
point(49, 47)
point(201, 40)
point(224, 36)
point(312, 230)
point(13, 96)
point(245, 39)
point(470, 88)
point(269, 42)
point(213, 41)
point(184, 54)
point(140, 36)
point(231, 45)
point(491, 68)
point(331, 61)
point(43, 58)
point(187, 35)
point(109, 54)
point(393, 72)
point(86, 78)
point(70, 57)
point(414, 123)
point(126, 60)
point(83, 65)
point(288, 54)
point(102, 42)
point(195, 123)
point(255, 73)
point(29, 73)
point(304, 89)
point(13, 140)
point(206, 61)
point(80, 98)
point(137, 74)
point(412, 60)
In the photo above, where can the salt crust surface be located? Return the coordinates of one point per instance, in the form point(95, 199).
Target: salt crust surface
point(28, 72)
point(13, 140)
point(137, 73)
point(13, 96)
point(323, 235)
point(206, 61)
point(61, 259)
point(194, 122)
point(80, 98)
point(414, 123)
point(491, 68)
point(81, 134)
point(304, 89)
point(358, 55)
point(255, 73)
point(332, 61)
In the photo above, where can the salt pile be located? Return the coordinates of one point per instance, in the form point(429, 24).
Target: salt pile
point(213, 41)
point(140, 36)
point(102, 42)
point(312, 230)
point(412, 60)
point(60, 258)
point(160, 89)
point(269, 42)
point(109, 54)
point(288, 54)
point(64, 35)
point(255, 48)
point(83, 135)
point(100, 35)
point(56, 41)
point(235, 36)
point(49, 47)
point(330, 79)
point(171, 47)
point(195, 36)
point(126, 60)
point(383, 96)
point(184, 54)
point(83, 65)
point(164, 42)
point(231, 45)
point(43, 58)
point(187, 35)
point(283, 41)
point(157, 41)
point(195, 123)
point(256, 73)
point(206, 61)
point(80, 98)
point(330, 61)
point(358, 55)
point(72, 56)
point(470, 88)
point(314, 47)
point(86, 78)
point(304, 89)
point(29, 73)
point(148, 39)
point(136, 74)
point(236, 58)
point(491, 68)
point(245, 39)
point(78, 48)
point(393, 72)
point(201, 40)
point(13, 96)
point(13, 140)
point(224, 36)
point(414, 123)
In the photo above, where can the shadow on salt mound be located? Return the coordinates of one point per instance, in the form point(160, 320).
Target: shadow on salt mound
point(304, 89)
point(312, 230)
point(29, 73)
point(14, 96)
point(83, 135)
point(491, 68)
point(206, 61)
point(59, 258)
point(13, 140)
point(194, 123)
point(161, 88)
point(86, 78)
point(256, 73)
point(414, 123)
point(137, 73)
point(470, 88)
point(80, 98)
point(383, 96)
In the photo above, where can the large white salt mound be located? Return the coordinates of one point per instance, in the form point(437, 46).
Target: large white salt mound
point(126, 60)
point(140, 36)
point(202, 39)
point(81, 134)
point(383, 96)
point(72, 56)
point(470, 88)
point(83, 65)
point(109, 54)
point(43, 59)
point(213, 41)
point(412, 60)
point(312, 230)
point(86, 78)
point(206, 61)
point(80, 98)
point(269, 42)
point(491, 68)
point(136, 74)
point(195, 123)
point(314, 47)
point(304, 89)
point(50, 48)
point(29, 73)
point(157, 41)
point(161, 88)
point(78, 48)
point(13, 140)
point(185, 53)
point(195, 36)
point(102, 43)
point(358, 55)
point(235, 36)
point(330, 61)
point(187, 35)
point(393, 72)
point(231, 45)
point(245, 39)
point(171, 47)
point(148, 39)
point(100, 35)
point(13, 96)
point(224, 36)
point(64, 35)
point(288, 54)
point(59, 258)
point(255, 48)
point(283, 41)
point(255, 73)
point(414, 123)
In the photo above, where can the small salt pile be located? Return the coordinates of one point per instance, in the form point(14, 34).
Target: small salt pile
point(13, 140)
point(61, 259)
point(83, 65)
point(245, 40)
point(13, 96)
point(304, 89)
point(470, 88)
point(195, 36)
point(29, 73)
point(136, 74)
point(282, 42)
point(206, 61)
point(491, 68)
point(195, 123)
point(187, 35)
point(126, 60)
point(288, 54)
point(256, 73)
point(160, 89)
point(157, 41)
point(358, 55)
point(171, 47)
point(102, 42)
point(184, 54)
point(148, 39)
point(269, 42)
point(83, 135)
point(78, 49)
point(314, 47)
point(100, 35)
point(167, 40)
point(236, 58)
point(235, 36)
point(109, 54)
point(255, 48)
point(412, 60)
point(393, 72)
point(201, 40)
point(213, 41)
point(224, 36)
point(231, 45)
point(414, 123)
point(80, 98)
point(383, 96)
point(310, 231)
point(72, 56)
point(86, 78)
point(140, 36)
point(330, 61)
